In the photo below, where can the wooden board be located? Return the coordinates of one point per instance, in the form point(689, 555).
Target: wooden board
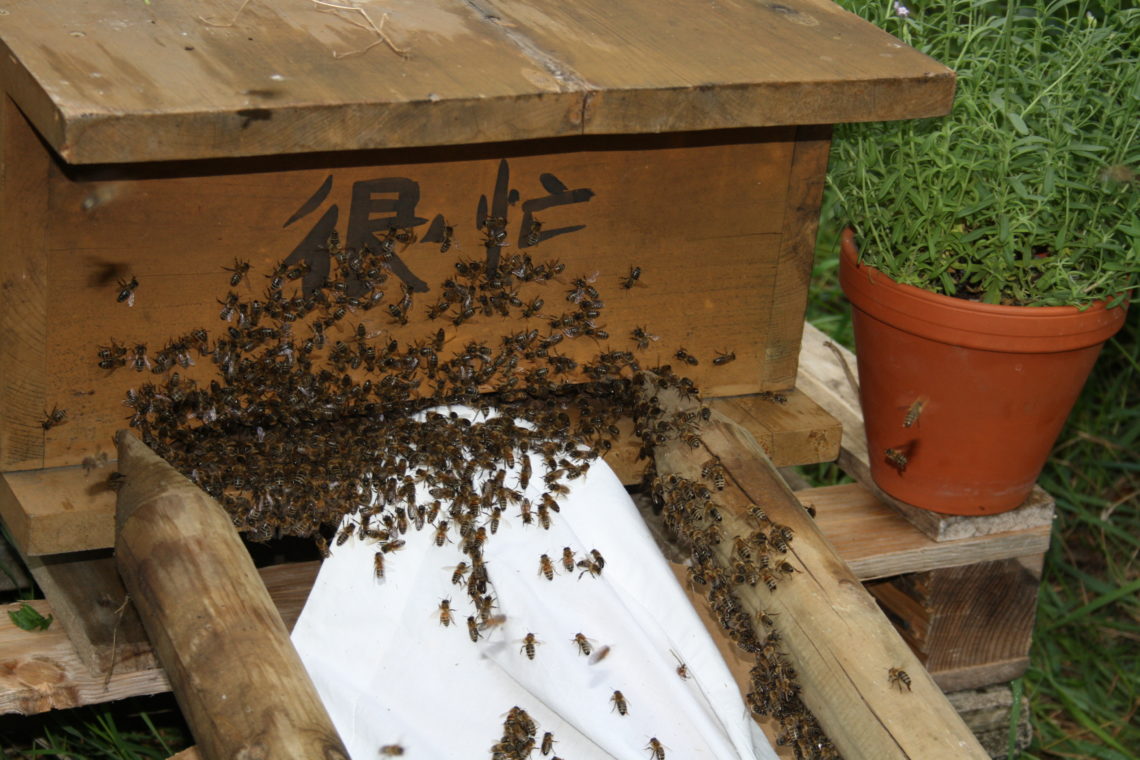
point(109, 82)
point(712, 274)
point(828, 373)
point(796, 431)
point(970, 625)
point(41, 670)
point(876, 542)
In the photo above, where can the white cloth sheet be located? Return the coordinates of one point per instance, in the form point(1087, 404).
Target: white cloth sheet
point(390, 673)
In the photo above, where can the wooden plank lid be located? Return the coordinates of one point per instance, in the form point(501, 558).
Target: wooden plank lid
point(112, 81)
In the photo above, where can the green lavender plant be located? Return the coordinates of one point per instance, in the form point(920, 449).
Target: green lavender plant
point(1027, 193)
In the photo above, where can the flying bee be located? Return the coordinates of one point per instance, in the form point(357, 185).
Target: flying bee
point(656, 749)
point(90, 464)
point(127, 291)
point(619, 703)
point(568, 559)
point(896, 459)
point(682, 668)
point(55, 417)
point(724, 357)
point(631, 279)
point(492, 621)
point(395, 750)
point(529, 642)
point(600, 655)
point(472, 628)
point(390, 546)
point(898, 677)
point(445, 612)
point(237, 272)
point(641, 337)
point(534, 235)
point(915, 410)
point(546, 567)
point(583, 643)
point(378, 565)
point(686, 357)
point(116, 480)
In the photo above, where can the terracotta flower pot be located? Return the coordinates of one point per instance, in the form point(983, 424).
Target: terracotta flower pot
point(986, 388)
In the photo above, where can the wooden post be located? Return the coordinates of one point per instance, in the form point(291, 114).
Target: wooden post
point(840, 643)
point(241, 685)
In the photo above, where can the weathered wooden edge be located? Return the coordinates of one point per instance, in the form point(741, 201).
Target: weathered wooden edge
point(828, 373)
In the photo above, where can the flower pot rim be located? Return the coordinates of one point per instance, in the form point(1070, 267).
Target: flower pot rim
point(1000, 327)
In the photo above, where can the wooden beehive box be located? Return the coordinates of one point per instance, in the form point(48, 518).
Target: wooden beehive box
point(160, 141)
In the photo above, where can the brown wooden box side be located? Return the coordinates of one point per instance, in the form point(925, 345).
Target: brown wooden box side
point(702, 214)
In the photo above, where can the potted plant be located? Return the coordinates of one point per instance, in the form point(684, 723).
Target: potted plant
point(997, 247)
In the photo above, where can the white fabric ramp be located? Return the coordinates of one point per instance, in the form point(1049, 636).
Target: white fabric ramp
point(390, 673)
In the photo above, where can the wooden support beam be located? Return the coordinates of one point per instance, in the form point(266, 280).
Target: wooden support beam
point(240, 683)
point(828, 373)
point(840, 643)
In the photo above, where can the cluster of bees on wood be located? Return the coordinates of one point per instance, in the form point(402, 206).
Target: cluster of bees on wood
point(312, 413)
point(691, 513)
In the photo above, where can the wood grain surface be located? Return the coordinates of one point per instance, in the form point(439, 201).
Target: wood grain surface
point(108, 82)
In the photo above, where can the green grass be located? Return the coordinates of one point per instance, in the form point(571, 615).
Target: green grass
point(142, 728)
point(1083, 683)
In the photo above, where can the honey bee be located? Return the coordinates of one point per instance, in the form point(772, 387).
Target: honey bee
point(90, 464)
point(441, 533)
point(641, 337)
point(390, 546)
point(127, 291)
point(631, 279)
point(724, 357)
point(583, 643)
point(546, 567)
point(589, 566)
point(568, 559)
point(619, 703)
point(238, 271)
point(547, 743)
point(378, 565)
point(765, 619)
point(898, 677)
point(896, 459)
point(140, 362)
point(598, 559)
point(391, 750)
point(786, 568)
point(445, 612)
point(682, 668)
point(529, 642)
point(600, 655)
point(55, 417)
point(345, 533)
point(472, 628)
point(686, 357)
point(457, 578)
point(448, 234)
point(535, 234)
point(525, 472)
point(656, 749)
point(769, 580)
point(915, 410)
point(713, 470)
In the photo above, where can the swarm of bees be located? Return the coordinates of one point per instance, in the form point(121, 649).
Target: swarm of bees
point(312, 417)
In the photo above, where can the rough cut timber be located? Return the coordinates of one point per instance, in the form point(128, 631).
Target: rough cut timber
point(110, 82)
point(240, 683)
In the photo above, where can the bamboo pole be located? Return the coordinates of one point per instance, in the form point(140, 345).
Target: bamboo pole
point(240, 683)
point(841, 645)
